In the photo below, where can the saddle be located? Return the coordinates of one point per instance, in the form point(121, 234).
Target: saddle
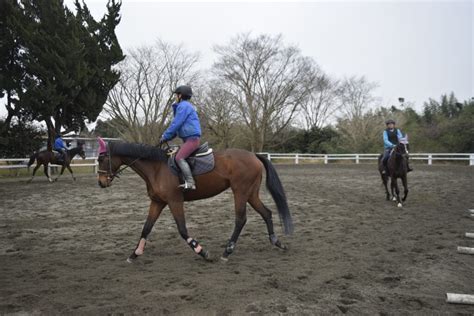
point(200, 161)
point(58, 156)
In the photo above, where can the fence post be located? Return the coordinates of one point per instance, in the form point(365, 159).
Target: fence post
point(471, 160)
point(430, 159)
point(325, 159)
point(357, 158)
point(96, 163)
point(269, 156)
point(297, 158)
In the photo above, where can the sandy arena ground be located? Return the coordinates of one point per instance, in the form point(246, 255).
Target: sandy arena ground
point(63, 248)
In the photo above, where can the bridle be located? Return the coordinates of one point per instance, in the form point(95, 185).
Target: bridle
point(111, 175)
point(397, 153)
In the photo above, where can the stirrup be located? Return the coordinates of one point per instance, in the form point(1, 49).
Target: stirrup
point(186, 186)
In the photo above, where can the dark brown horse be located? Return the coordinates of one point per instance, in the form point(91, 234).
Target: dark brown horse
point(397, 166)
point(46, 157)
point(237, 169)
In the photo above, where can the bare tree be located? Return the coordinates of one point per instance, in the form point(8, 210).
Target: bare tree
point(266, 81)
point(138, 107)
point(356, 97)
point(359, 124)
point(322, 102)
point(218, 113)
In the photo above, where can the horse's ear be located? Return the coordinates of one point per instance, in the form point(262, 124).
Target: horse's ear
point(102, 146)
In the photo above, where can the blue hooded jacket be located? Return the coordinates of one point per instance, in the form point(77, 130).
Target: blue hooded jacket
point(185, 123)
point(59, 144)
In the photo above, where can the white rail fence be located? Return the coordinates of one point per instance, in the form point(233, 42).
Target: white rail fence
point(17, 163)
point(357, 158)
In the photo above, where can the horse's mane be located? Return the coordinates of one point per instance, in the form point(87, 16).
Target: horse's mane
point(135, 150)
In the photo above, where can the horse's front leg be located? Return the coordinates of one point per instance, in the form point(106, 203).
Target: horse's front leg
point(60, 174)
point(153, 213)
point(394, 183)
point(385, 183)
point(177, 210)
point(405, 187)
point(72, 174)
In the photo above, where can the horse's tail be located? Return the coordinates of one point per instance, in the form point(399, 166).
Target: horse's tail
point(276, 190)
point(32, 158)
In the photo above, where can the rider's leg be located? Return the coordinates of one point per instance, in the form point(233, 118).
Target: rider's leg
point(186, 149)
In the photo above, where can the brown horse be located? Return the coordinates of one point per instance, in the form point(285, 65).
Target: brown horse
point(46, 157)
point(238, 169)
point(397, 166)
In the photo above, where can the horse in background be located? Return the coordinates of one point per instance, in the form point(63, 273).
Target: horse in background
point(397, 166)
point(47, 157)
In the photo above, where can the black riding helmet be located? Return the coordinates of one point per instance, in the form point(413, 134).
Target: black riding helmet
point(389, 121)
point(185, 91)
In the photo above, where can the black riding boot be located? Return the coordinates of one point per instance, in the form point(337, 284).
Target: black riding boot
point(188, 177)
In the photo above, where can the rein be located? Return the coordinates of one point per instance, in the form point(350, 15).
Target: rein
point(111, 175)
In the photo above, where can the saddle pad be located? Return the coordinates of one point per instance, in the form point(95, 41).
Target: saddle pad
point(199, 165)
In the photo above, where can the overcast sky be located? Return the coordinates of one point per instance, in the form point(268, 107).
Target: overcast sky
point(412, 49)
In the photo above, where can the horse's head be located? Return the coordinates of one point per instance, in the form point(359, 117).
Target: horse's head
point(402, 148)
point(82, 153)
point(108, 167)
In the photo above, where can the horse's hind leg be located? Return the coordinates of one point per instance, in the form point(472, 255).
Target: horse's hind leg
point(266, 214)
point(405, 188)
point(240, 219)
point(153, 214)
point(46, 173)
point(34, 171)
point(178, 214)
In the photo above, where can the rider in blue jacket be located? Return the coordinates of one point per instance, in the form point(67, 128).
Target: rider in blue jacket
point(391, 136)
point(60, 147)
point(186, 126)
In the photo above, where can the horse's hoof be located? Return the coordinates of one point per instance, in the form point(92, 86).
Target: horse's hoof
point(55, 179)
point(206, 255)
point(399, 205)
point(279, 245)
point(225, 260)
point(130, 260)
point(394, 199)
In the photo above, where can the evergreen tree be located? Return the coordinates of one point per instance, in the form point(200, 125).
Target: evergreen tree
point(67, 61)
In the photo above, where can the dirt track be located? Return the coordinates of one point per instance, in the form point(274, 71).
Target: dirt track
point(63, 248)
